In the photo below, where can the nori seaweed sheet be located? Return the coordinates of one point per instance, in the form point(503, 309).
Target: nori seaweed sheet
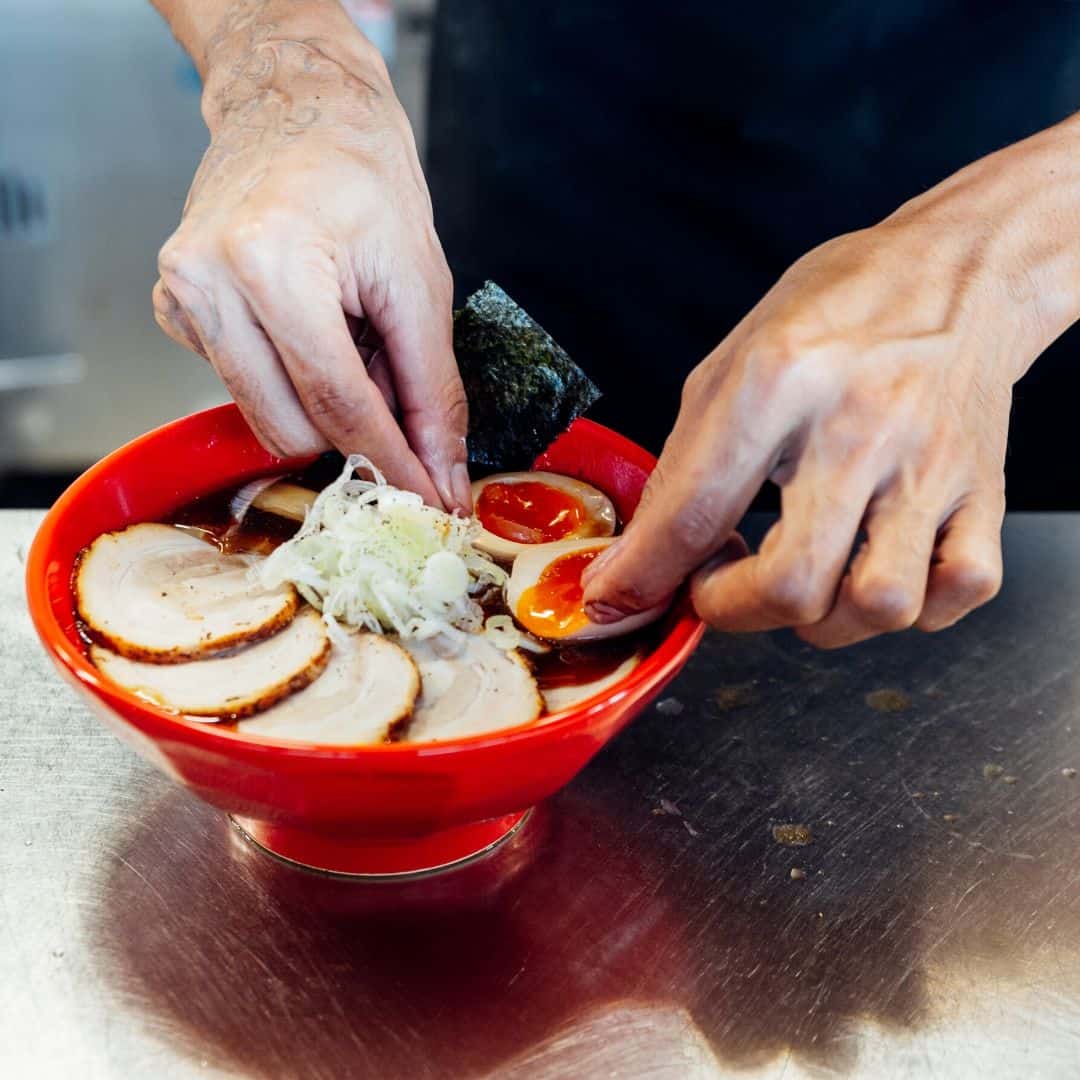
point(523, 389)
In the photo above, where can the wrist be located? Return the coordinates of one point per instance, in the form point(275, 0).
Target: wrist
point(1012, 220)
point(289, 48)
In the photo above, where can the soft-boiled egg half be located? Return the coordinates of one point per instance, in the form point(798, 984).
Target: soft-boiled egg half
point(545, 593)
point(519, 510)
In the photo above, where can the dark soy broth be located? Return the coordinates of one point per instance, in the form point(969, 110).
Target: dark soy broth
point(566, 665)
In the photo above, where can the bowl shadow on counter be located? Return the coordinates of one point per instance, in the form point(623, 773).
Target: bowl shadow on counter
point(253, 965)
point(653, 881)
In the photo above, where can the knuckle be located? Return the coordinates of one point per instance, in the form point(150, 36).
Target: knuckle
point(456, 406)
point(182, 267)
point(886, 603)
point(854, 430)
point(660, 481)
point(696, 384)
point(771, 351)
point(177, 257)
point(692, 527)
point(773, 360)
point(247, 250)
point(164, 304)
point(290, 444)
point(793, 595)
point(174, 321)
point(976, 579)
point(282, 439)
point(327, 404)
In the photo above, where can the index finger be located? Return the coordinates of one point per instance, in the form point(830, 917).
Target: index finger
point(416, 326)
point(299, 307)
point(710, 469)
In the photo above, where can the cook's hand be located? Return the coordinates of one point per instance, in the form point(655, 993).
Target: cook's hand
point(873, 385)
point(309, 213)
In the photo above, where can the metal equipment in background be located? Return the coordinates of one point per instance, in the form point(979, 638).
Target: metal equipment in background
point(100, 133)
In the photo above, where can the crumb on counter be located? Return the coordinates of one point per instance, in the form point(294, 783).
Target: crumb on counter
point(888, 701)
point(792, 835)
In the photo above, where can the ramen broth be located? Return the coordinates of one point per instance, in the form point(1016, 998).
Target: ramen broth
point(562, 666)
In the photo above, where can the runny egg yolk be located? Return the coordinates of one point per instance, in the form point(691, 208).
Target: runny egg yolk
point(529, 512)
point(552, 607)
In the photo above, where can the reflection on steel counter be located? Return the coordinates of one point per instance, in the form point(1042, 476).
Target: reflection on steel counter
point(647, 921)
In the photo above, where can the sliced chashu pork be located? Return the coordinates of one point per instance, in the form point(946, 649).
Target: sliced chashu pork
point(158, 593)
point(232, 685)
point(482, 689)
point(557, 698)
point(367, 691)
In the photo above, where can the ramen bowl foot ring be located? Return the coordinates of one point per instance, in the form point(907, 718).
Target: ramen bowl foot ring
point(432, 853)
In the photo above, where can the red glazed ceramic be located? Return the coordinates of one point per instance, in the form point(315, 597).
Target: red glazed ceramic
point(374, 810)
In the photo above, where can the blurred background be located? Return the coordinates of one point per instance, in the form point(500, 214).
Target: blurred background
point(637, 198)
point(100, 133)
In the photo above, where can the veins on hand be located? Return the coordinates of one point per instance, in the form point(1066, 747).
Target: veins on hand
point(267, 89)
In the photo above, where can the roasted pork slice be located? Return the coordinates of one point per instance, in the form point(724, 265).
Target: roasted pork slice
point(232, 685)
point(286, 500)
point(158, 593)
point(481, 689)
point(367, 691)
point(272, 495)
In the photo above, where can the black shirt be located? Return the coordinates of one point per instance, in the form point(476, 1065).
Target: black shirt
point(638, 175)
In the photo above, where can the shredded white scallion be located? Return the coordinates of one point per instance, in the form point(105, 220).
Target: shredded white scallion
point(501, 632)
point(372, 556)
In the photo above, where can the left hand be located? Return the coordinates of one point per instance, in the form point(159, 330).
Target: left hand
point(873, 385)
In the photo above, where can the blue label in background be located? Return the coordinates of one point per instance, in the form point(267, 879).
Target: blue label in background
point(187, 76)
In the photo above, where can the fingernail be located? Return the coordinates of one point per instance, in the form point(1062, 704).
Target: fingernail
point(462, 486)
point(604, 614)
point(442, 479)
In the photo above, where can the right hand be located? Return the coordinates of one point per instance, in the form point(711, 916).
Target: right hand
point(308, 213)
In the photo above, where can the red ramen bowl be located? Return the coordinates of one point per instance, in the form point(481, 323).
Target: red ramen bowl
point(393, 809)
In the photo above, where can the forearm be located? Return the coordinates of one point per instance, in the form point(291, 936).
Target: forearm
point(224, 40)
point(1019, 209)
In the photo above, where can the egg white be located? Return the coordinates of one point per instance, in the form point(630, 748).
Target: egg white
point(532, 562)
point(600, 517)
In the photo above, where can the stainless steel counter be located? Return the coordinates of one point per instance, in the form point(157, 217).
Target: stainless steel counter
point(645, 923)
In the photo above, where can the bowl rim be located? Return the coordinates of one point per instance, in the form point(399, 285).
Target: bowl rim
point(686, 630)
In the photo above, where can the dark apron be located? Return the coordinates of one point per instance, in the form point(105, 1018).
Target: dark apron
point(638, 175)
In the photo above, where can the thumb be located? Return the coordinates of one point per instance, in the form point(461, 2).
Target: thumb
point(688, 514)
